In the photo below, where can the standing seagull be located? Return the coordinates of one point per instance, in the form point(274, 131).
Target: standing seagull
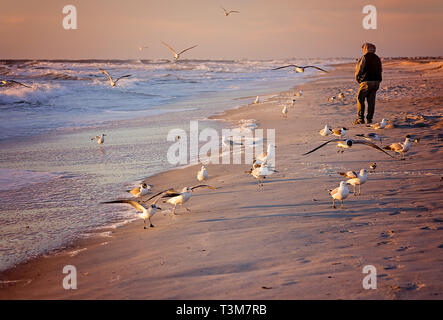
point(257, 100)
point(146, 213)
point(339, 193)
point(227, 13)
point(177, 55)
point(6, 83)
point(357, 180)
point(100, 139)
point(284, 111)
point(399, 147)
point(111, 81)
point(346, 144)
point(202, 174)
point(140, 191)
point(179, 198)
point(300, 69)
point(339, 132)
point(261, 172)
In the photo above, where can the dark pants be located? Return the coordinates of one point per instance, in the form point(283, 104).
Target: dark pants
point(368, 90)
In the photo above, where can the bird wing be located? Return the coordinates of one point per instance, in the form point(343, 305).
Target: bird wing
point(322, 145)
point(224, 9)
point(203, 185)
point(233, 11)
point(370, 144)
point(106, 72)
point(128, 75)
point(188, 49)
point(135, 204)
point(169, 47)
point(19, 83)
point(315, 67)
point(290, 65)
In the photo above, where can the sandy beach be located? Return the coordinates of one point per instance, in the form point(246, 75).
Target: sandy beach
point(284, 240)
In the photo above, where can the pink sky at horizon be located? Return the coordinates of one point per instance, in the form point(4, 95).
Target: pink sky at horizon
point(112, 29)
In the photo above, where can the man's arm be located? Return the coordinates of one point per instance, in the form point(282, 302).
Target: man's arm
point(360, 69)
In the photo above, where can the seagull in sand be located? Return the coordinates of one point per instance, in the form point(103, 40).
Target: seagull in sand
point(100, 139)
point(202, 174)
point(340, 193)
point(112, 81)
point(399, 147)
point(140, 191)
point(284, 111)
point(379, 125)
point(300, 69)
point(348, 143)
point(145, 213)
point(7, 83)
point(370, 137)
point(340, 132)
point(227, 13)
point(326, 131)
point(177, 55)
point(179, 198)
point(356, 179)
point(257, 100)
point(261, 172)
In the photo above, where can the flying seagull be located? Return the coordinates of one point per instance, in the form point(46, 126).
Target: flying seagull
point(145, 213)
point(300, 69)
point(177, 55)
point(227, 13)
point(12, 82)
point(179, 198)
point(111, 81)
point(345, 144)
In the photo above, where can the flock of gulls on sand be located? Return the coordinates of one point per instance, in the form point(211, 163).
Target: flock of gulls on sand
point(262, 166)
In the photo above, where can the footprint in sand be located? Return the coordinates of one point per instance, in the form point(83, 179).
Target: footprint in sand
point(403, 248)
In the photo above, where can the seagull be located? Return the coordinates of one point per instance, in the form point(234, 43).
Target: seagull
point(146, 213)
point(111, 81)
point(257, 100)
point(300, 69)
point(339, 132)
point(399, 147)
point(348, 143)
point(284, 111)
point(227, 13)
point(380, 125)
point(180, 197)
point(140, 191)
point(265, 156)
point(100, 139)
point(261, 172)
point(357, 180)
point(227, 143)
point(326, 131)
point(340, 193)
point(177, 55)
point(331, 99)
point(370, 136)
point(293, 102)
point(299, 93)
point(6, 83)
point(372, 166)
point(341, 95)
point(202, 174)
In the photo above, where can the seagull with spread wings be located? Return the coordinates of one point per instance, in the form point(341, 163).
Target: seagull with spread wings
point(112, 81)
point(348, 143)
point(145, 213)
point(300, 69)
point(7, 83)
point(179, 198)
point(227, 13)
point(177, 55)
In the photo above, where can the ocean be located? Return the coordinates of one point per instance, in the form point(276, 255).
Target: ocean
point(53, 177)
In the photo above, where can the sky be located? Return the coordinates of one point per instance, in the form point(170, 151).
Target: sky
point(264, 29)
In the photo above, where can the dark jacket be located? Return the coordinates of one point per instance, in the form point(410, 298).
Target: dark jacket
point(368, 68)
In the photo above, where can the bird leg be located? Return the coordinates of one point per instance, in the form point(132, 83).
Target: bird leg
point(341, 206)
point(150, 223)
point(187, 209)
point(173, 210)
point(333, 203)
point(359, 189)
point(144, 222)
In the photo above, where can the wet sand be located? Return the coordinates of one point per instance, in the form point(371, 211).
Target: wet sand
point(283, 240)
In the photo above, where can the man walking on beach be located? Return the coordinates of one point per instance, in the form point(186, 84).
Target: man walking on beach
point(368, 74)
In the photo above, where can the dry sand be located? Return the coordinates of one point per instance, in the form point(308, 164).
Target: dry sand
point(284, 241)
